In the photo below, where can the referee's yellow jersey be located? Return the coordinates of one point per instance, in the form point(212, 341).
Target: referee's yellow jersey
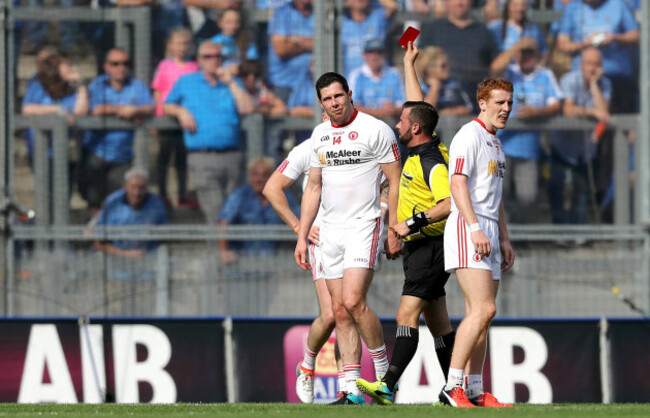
point(424, 182)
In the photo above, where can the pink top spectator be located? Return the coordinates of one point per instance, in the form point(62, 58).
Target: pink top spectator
point(167, 73)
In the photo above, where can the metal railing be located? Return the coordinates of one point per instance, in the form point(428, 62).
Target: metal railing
point(56, 271)
point(254, 127)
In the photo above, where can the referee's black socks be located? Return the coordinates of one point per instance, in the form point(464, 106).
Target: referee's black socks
point(406, 344)
point(444, 347)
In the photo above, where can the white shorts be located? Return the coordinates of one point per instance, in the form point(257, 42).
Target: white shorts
point(315, 262)
point(349, 247)
point(459, 248)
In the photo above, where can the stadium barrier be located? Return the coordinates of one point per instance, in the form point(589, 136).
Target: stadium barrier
point(55, 271)
point(228, 359)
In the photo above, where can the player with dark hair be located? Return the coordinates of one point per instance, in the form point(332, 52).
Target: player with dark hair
point(424, 204)
point(349, 154)
point(476, 181)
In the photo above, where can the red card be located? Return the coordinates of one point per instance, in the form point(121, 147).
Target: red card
point(410, 35)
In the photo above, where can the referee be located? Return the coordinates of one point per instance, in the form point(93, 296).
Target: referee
point(424, 204)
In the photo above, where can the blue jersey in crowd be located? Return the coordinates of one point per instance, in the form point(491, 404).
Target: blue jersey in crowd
point(514, 33)
point(579, 21)
point(243, 207)
point(36, 94)
point(230, 50)
point(214, 110)
point(537, 89)
point(288, 21)
point(118, 212)
point(114, 145)
point(355, 34)
point(571, 145)
point(371, 91)
point(303, 92)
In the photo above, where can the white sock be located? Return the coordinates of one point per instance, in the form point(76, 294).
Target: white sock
point(473, 385)
point(309, 360)
point(352, 373)
point(342, 383)
point(380, 360)
point(455, 379)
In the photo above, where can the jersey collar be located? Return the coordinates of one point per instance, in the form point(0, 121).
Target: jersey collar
point(483, 125)
point(354, 116)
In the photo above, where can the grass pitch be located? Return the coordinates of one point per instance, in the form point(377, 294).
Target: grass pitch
point(313, 411)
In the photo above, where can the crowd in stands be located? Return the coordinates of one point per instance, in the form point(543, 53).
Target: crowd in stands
point(214, 66)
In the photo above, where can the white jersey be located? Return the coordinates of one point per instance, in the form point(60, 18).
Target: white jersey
point(296, 164)
point(478, 154)
point(350, 157)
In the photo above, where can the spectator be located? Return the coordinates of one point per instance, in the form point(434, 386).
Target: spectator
point(536, 95)
point(443, 92)
point(361, 22)
point(270, 4)
point(236, 41)
point(248, 206)
point(43, 53)
point(131, 205)
point(55, 89)
point(514, 32)
point(586, 94)
point(168, 72)
point(107, 154)
point(208, 105)
point(266, 102)
point(131, 263)
point(291, 41)
point(202, 15)
point(378, 88)
point(303, 96)
point(609, 25)
point(469, 44)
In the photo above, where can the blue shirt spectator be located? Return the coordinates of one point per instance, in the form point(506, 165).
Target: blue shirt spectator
point(114, 145)
point(270, 4)
point(129, 206)
point(36, 94)
point(378, 88)
point(362, 22)
point(214, 109)
point(571, 144)
point(291, 34)
point(248, 206)
point(537, 89)
point(451, 95)
point(595, 21)
point(208, 105)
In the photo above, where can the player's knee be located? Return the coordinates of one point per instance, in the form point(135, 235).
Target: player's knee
point(355, 307)
point(488, 313)
point(328, 319)
point(407, 317)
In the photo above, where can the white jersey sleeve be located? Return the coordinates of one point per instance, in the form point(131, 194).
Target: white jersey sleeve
point(463, 153)
point(297, 162)
point(385, 147)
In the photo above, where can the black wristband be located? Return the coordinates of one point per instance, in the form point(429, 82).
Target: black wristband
point(417, 221)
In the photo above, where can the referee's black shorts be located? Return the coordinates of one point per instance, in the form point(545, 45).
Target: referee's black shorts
point(424, 268)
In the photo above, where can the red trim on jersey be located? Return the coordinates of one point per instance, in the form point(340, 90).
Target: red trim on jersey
point(282, 166)
point(460, 162)
point(396, 151)
point(354, 116)
point(312, 261)
point(483, 125)
point(462, 242)
point(375, 245)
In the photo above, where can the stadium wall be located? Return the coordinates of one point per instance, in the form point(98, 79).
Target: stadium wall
point(253, 360)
